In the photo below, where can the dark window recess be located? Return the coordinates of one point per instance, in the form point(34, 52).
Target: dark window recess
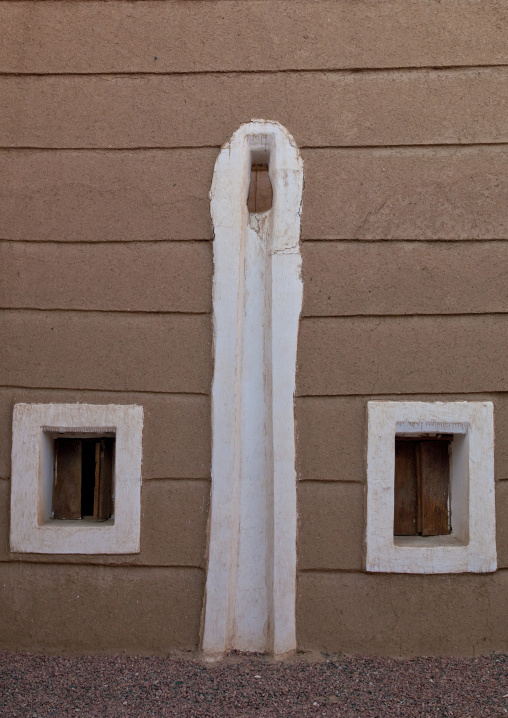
point(260, 189)
point(83, 478)
point(422, 486)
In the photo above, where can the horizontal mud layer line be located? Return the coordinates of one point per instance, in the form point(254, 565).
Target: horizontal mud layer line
point(119, 243)
point(363, 571)
point(190, 36)
point(156, 478)
point(178, 479)
point(137, 277)
point(452, 354)
point(96, 310)
point(390, 614)
point(98, 391)
point(177, 428)
point(330, 570)
point(110, 561)
point(321, 316)
point(410, 396)
point(384, 149)
point(155, 148)
point(414, 576)
point(19, 560)
point(299, 397)
point(103, 150)
point(132, 392)
point(369, 315)
point(331, 525)
point(341, 278)
point(159, 352)
point(167, 511)
point(96, 603)
point(122, 312)
point(365, 242)
point(331, 435)
point(373, 395)
point(416, 109)
point(209, 242)
point(387, 147)
point(309, 481)
point(411, 193)
point(346, 71)
point(332, 482)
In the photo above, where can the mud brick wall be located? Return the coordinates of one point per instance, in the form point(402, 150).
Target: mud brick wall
point(113, 114)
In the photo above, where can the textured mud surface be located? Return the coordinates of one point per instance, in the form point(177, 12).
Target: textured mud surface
point(36, 686)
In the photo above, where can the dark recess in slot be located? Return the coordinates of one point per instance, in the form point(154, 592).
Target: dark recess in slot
point(260, 189)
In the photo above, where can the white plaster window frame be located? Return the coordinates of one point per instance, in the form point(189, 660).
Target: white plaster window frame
point(471, 547)
point(33, 431)
point(235, 407)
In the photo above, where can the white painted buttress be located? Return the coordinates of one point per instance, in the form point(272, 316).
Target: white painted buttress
point(257, 299)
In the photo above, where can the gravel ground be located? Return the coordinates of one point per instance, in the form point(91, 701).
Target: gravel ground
point(36, 686)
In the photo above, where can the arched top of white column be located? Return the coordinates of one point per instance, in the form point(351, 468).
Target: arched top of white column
point(263, 142)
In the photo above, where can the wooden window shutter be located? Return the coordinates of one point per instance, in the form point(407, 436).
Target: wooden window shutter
point(421, 488)
point(83, 478)
point(434, 480)
point(67, 479)
point(103, 496)
point(406, 489)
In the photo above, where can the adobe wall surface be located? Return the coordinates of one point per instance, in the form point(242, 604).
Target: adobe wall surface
point(114, 115)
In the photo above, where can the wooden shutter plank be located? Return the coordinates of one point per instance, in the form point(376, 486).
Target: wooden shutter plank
point(67, 479)
point(419, 488)
point(104, 485)
point(435, 468)
point(405, 514)
point(97, 480)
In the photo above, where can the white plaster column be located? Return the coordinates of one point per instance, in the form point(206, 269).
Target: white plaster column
point(257, 299)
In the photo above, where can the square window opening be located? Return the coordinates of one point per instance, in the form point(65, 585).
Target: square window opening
point(76, 478)
point(430, 487)
point(83, 477)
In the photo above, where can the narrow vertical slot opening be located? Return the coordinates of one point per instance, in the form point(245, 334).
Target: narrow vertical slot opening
point(260, 196)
